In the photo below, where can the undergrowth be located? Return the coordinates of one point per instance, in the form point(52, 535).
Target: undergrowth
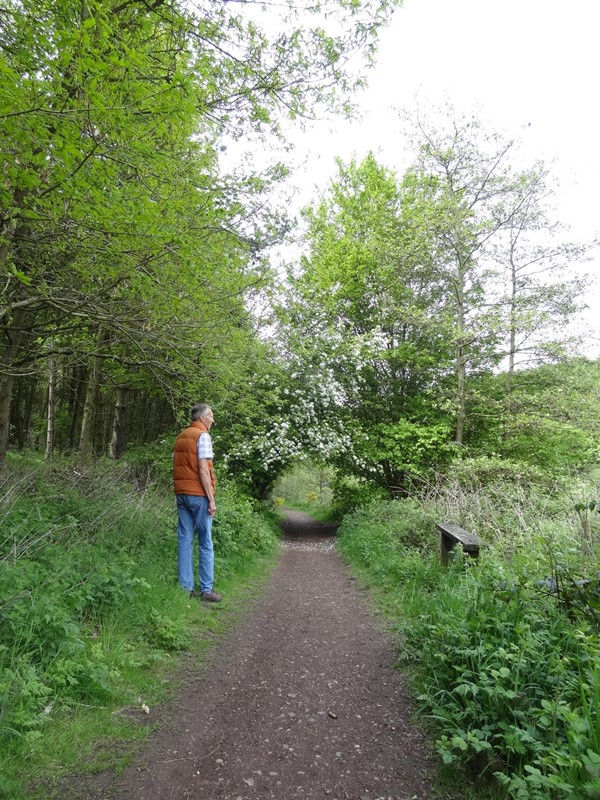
point(90, 612)
point(503, 652)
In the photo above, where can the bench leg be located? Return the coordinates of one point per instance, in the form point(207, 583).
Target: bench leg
point(446, 545)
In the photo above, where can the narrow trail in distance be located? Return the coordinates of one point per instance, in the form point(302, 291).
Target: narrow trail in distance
point(301, 700)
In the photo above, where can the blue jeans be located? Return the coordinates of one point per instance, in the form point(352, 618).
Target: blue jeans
point(193, 513)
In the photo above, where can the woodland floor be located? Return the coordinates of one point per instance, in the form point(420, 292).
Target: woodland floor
point(300, 700)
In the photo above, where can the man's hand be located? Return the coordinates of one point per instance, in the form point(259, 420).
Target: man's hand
point(212, 508)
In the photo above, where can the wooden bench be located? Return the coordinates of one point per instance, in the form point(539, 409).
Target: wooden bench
point(451, 535)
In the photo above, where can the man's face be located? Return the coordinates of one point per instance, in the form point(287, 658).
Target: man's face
point(208, 418)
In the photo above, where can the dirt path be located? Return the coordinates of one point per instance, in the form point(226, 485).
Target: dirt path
point(301, 701)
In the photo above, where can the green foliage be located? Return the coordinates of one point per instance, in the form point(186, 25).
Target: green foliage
point(237, 528)
point(118, 221)
point(414, 289)
point(151, 463)
point(384, 527)
point(274, 426)
point(503, 651)
point(555, 421)
point(485, 471)
point(88, 586)
point(550, 444)
point(349, 493)
point(169, 634)
point(368, 315)
point(544, 417)
point(303, 480)
point(412, 449)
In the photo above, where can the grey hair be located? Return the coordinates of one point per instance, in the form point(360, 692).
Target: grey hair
point(199, 410)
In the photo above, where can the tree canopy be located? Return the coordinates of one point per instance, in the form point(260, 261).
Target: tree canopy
point(126, 254)
point(424, 295)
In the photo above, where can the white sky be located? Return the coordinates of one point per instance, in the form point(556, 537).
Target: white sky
point(531, 67)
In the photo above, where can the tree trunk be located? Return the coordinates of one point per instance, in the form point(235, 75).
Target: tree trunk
point(512, 330)
point(461, 412)
point(6, 387)
point(461, 359)
point(89, 407)
point(51, 408)
point(13, 333)
point(119, 432)
point(76, 401)
point(103, 426)
point(28, 411)
point(16, 417)
point(91, 398)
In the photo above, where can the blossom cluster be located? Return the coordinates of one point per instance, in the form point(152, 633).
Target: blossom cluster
point(305, 420)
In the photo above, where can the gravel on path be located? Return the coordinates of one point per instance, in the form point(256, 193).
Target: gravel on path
point(301, 701)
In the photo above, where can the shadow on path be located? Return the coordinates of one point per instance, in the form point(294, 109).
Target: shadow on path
point(302, 532)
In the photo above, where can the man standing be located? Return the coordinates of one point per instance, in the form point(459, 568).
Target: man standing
point(194, 481)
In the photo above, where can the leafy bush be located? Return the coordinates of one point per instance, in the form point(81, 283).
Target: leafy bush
point(483, 471)
point(170, 634)
point(150, 464)
point(237, 528)
point(383, 526)
point(553, 445)
point(411, 449)
point(349, 493)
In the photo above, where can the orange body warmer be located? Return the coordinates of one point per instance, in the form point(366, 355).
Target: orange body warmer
point(186, 475)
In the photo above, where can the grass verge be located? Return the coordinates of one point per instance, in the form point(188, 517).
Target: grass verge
point(95, 632)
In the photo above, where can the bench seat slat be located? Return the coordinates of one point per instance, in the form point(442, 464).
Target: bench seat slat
point(468, 540)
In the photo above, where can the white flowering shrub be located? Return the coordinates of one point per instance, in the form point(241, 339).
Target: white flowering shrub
point(300, 417)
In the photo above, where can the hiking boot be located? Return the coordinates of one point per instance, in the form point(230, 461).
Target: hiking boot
point(194, 593)
point(210, 597)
